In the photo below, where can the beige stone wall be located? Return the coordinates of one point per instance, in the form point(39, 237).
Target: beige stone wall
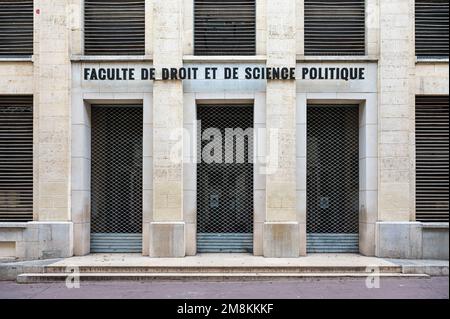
point(300, 28)
point(372, 28)
point(396, 105)
point(76, 25)
point(16, 77)
point(59, 34)
point(281, 105)
point(167, 112)
point(167, 237)
point(52, 76)
point(431, 78)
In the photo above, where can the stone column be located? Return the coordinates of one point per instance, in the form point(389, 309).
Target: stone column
point(167, 235)
point(397, 234)
point(281, 229)
point(52, 163)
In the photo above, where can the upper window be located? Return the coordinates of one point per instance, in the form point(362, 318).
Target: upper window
point(16, 27)
point(16, 158)
point(225, 27)
point(335, 27)
point(432, 28)
point(114, 27)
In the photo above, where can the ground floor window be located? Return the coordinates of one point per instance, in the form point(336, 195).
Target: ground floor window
point(432, 158)
point(16, 158)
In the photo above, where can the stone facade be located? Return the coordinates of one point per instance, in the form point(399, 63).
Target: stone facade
point(62, 100)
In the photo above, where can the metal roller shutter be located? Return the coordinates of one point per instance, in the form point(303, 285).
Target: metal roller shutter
point(16, 27)
point(116, 179)
point(16, 158)
point(432, 158)
point(114, 27)
point(332, 179)
point(225, 27)
point(335, 27)
point(432, 28)
point(225, 189)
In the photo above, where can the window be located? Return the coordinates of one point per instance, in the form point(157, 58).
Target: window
point(16, 158)
point(16, 27)
point(114, 27)
point(335, 27)
point(225, 27)
point(432, 28)
point(432, 158)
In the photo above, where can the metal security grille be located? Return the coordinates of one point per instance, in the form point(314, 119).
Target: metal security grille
point(334, 27)
point(432, 158)
point(16, 158)
point(116, 179)
point(332, 178)
point(432, 28)
point(225, 27)
point(225, 181)
point(16, 27)
point(114, 27)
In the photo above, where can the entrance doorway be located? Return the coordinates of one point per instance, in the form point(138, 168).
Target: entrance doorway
point(225, 179)
point(332, 179)
point(116, 179)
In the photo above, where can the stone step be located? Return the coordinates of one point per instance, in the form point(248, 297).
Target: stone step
point(195, 276)
point(225, 269)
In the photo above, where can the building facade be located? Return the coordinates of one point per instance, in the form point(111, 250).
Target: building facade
point(272, 127)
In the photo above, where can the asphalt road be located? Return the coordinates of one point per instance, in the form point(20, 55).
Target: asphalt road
point(316, 288)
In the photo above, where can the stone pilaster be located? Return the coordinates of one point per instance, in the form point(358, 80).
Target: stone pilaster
point(396, 98)
point(167, 235)
point(52, 110)
point(396, 130)
point(281, 229)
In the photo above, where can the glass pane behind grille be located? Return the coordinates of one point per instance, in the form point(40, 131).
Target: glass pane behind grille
point(116, 179)
point(225, 190)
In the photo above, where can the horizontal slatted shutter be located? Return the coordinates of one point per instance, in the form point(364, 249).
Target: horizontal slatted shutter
point(16, 158)
point(432, 158)
point(114, 27)
point(334, 27)
point(432, 28)
point(16, 27)
point(225, 27)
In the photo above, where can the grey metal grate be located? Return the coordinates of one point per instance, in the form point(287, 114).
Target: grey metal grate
point(16, 158)
point(225, 186)
point(332, 178)
point(432, 28)
point(432, 158)
point(16, 27)
point(114, 27)
point(116, 179)
point(335, 27)
point(224, 27)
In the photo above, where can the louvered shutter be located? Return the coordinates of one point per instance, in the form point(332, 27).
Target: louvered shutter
point(225, 27)
point(16, 158)
point(334, 27)
point(432, 158)
point(16, 27)
point(432, 28)
point(114, 27)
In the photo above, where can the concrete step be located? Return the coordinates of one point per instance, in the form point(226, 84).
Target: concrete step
point(224, 269)
point(186, 276)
